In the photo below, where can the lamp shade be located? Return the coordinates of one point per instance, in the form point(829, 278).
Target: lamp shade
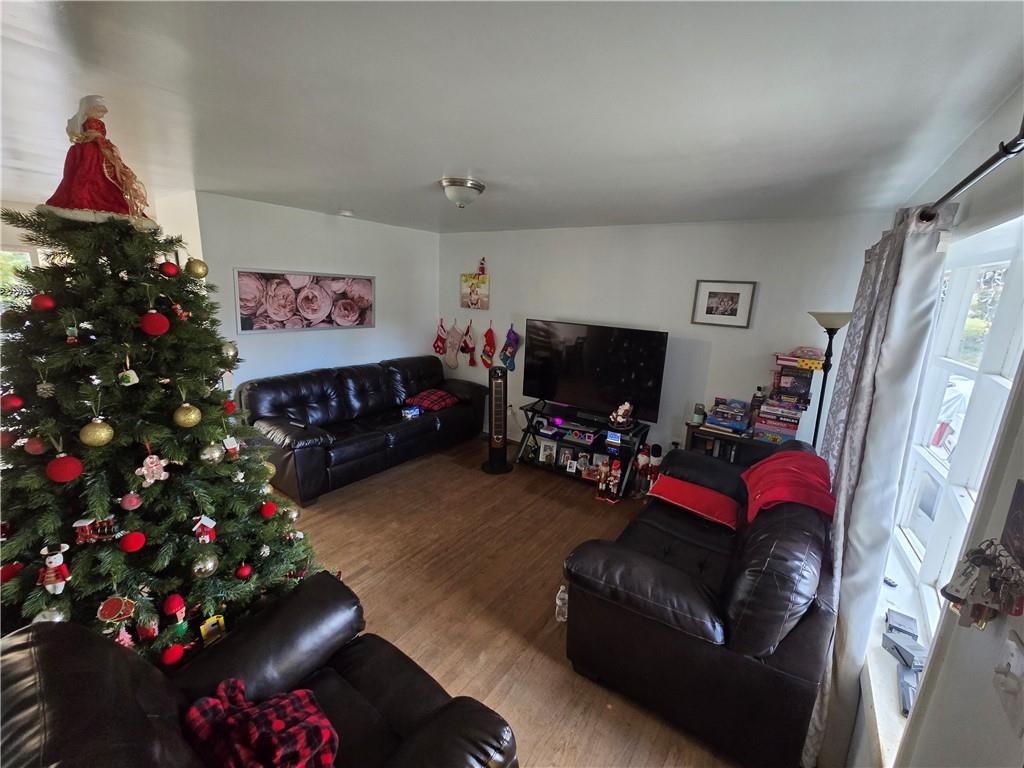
point(831, 321)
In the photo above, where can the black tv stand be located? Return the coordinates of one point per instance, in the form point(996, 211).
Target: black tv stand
point(579, 432)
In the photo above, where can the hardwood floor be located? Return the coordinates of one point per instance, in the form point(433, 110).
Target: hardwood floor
point(459, 569)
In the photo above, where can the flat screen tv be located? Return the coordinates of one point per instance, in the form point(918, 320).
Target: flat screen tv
point(594, 368)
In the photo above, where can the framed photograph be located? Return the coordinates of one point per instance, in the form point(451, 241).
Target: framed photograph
point(474, 291)
point(302, 301)
point(565, 457)
point(571, 467)
point(547, 452)
point(723, 302)
point(583, 459)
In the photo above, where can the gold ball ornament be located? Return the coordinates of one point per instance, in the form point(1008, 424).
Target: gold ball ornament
point(212, 454)
point(96, 433)
point(205, 565)
point(229, 351)
point(187, 415)
point(271, 469)
point(196, 268)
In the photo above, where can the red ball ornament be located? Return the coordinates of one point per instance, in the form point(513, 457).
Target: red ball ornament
point(169, 269)
point(268, 509)
point(43, 303)
point(10, 571)
point(133, 541)
point(35, 446)
point(244, 571)
point(230, 407)
point(172, 655)
point(63, 469)
point(7, 439)
point(11, 402)
point(154, 324)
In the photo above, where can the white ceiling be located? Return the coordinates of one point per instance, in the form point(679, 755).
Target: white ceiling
point(574, 114)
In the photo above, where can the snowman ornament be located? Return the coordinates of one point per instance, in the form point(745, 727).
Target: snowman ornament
point(152, 469)
point(55, 574)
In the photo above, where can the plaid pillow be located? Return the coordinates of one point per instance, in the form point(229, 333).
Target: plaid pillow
point(433, 400)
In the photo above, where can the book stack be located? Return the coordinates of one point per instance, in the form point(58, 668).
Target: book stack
point(779, 416)
point(729, 417)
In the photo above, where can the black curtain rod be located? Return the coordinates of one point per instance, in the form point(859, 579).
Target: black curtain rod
point(1007, 149)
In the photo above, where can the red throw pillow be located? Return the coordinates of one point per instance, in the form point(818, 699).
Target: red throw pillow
point(704, 502)
point(789, 476)
point(432, 400)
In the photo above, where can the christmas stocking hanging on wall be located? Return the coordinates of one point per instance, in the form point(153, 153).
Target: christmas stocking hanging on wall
point(439, 341)
point(487, 355)
point(453, 343)
point(469, 345)
point(511, 347)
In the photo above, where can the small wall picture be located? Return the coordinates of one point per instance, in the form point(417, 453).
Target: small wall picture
point(583, 459)
point(1013, 529)
point(721, 302)
point(301, 301)
point(475, 291)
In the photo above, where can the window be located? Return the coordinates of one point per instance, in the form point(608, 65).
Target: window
point(975, 350)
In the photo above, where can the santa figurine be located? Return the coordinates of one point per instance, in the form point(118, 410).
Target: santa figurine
point(55, 574)
point(97, 185)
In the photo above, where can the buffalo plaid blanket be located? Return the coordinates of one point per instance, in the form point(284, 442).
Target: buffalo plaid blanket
point(288, 730)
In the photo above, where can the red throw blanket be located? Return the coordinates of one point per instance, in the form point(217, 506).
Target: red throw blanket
point(789, 476)
point(288, 730)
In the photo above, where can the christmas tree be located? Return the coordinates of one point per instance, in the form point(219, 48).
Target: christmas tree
point(130, 500)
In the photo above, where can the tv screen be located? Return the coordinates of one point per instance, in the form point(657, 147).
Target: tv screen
point(594, 367)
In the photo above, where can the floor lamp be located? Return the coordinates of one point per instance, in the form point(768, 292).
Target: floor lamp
point(831, 322)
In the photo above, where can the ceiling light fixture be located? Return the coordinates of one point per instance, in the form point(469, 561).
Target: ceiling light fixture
point(460, 191)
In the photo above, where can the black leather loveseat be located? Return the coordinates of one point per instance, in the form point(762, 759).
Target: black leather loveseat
point(723, 634)
point(75, 699)
point(333, 426)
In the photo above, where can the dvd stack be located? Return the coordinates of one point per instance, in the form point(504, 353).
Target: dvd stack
point(728, 416)
point(779, 417)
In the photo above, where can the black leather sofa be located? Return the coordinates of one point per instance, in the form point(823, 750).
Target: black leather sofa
point(724, 634)
point(350, 423)
point(75, 699)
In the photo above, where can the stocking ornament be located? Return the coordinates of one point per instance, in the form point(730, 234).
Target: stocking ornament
point(441, 335)
point(453, 343)
point(510, 349)
point(490, 345)
point(469, 345)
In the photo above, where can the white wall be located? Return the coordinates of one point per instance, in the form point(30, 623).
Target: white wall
point(242, 233)
point(644, 277)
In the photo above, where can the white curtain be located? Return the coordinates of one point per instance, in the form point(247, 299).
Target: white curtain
point(867, 431)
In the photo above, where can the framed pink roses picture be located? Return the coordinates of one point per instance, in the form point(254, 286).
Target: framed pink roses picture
point(298, 301)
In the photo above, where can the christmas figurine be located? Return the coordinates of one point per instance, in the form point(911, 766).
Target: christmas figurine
point(97, 184)
point(655, 467)
point(152, 469)
point(174, 607)
point(204, 529)
point(55, 574)
point(614, 477)
point(641, 466)
point(602, 479)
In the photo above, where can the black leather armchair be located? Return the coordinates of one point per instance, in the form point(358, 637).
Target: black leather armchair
point(725, 634)
point(75, 699)
point(333, 426)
